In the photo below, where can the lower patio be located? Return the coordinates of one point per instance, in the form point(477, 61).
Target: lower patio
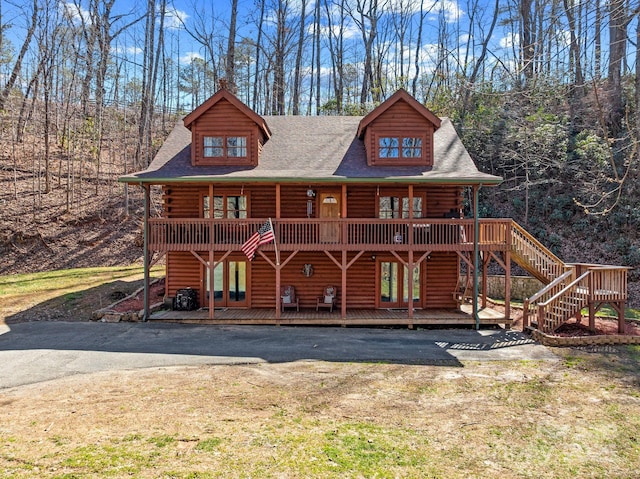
point(354, 317)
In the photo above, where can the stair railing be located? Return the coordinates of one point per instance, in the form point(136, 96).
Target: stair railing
point(564, 304)
point(539, 258)
point(530, 308)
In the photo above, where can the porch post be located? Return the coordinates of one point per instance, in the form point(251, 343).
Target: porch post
point(211, 257)
point(411, 286)
point(212, 266)
point(343, 303)
point(145, 252)
point(343, 203)
point(486, 259)
point(278, 298)
point(476, 239)
point(507, 284)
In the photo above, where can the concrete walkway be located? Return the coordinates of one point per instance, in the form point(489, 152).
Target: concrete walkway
point(40, 351)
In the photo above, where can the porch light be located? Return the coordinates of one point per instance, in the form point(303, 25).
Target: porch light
point(330, 200)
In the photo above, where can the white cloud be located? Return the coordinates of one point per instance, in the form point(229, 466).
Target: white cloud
point(134, 50)
point(349, 31)
point(174, 18)
point(131, 50)
point(75, 13)
point(509, 41)
point(188, 57)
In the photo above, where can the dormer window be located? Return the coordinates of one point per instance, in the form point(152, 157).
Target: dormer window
point(399, 147)
point(225, 146)
point(399, 132)
point(225, 132)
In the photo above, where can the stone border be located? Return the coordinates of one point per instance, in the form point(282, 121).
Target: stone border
point(568, 341)
point(109, 315)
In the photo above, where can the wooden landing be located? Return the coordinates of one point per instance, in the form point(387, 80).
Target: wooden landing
point(355, 317)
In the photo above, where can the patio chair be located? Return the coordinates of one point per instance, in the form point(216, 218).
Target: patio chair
point(328, 298)
point(288, 298)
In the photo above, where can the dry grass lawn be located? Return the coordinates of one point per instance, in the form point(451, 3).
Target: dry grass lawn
point(577, 417)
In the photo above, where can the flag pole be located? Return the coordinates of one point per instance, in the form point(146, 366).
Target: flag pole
point(275, 244)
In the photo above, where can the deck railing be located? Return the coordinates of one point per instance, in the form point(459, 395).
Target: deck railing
point(595, 284)
point(323, 234)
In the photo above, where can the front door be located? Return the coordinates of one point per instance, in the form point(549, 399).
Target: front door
point(229, 284)
point(330, 209)
point(394, 287)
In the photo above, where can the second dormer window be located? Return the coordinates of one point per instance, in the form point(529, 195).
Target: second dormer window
point(225, 146)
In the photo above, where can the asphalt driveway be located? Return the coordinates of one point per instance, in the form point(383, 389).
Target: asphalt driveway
point(40, 351)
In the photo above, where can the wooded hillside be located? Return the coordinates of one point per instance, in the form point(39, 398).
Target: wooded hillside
point(545, 94)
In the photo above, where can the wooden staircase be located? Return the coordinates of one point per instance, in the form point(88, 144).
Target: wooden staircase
point(568, 287)
point(534, 257)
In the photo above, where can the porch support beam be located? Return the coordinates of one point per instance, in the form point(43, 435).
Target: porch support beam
point(343, 203)
point(399, 258)
point(476, 240)
point(145, 253)
point(344, 265)
point(278, 268)
point(212, 267)
point(343, 303)
point(410, 269)
point(153, 262)
point(486, 259)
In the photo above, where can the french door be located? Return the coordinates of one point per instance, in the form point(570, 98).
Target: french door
point(394, 285)
point(229, 284)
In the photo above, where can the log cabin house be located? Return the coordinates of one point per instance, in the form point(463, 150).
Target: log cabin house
point(368, 206)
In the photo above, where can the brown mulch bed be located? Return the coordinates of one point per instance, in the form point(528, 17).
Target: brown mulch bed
point(604, 326)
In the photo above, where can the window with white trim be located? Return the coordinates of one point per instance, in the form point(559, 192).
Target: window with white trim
point(224, 146)
point(390, 147)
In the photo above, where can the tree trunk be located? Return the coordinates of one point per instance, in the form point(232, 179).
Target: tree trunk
point(230, 64)
point(297, 78)
point(17, 66)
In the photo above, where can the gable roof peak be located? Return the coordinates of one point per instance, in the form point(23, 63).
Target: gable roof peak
point(224, 94)
point(400, 95)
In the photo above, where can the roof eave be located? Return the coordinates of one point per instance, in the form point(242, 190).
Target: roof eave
point(492, 181)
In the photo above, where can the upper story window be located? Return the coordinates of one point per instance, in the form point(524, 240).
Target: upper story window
point(225, 146)
point(399, 147)
point(226, 206)
point(390, 207)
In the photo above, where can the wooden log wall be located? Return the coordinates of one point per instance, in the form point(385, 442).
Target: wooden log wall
point(442, 280)
point(183, 271)
point(440, 274)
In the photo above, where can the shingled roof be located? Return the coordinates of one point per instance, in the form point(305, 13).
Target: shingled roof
point(313, 149)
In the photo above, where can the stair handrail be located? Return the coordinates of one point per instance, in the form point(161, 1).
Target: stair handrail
point(540, 249)
point(560, 293)
point(536, 242)
point(547, 289)
point(543, 306)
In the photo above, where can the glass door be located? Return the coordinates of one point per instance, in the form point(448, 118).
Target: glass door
point(229, 284)
point(394, 286)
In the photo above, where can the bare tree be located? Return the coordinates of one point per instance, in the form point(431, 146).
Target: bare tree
point(230, 63)
point(17, 66)
point(300, 48)
point(366, 16)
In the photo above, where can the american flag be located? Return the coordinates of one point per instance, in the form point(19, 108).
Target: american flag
point(263, 236)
